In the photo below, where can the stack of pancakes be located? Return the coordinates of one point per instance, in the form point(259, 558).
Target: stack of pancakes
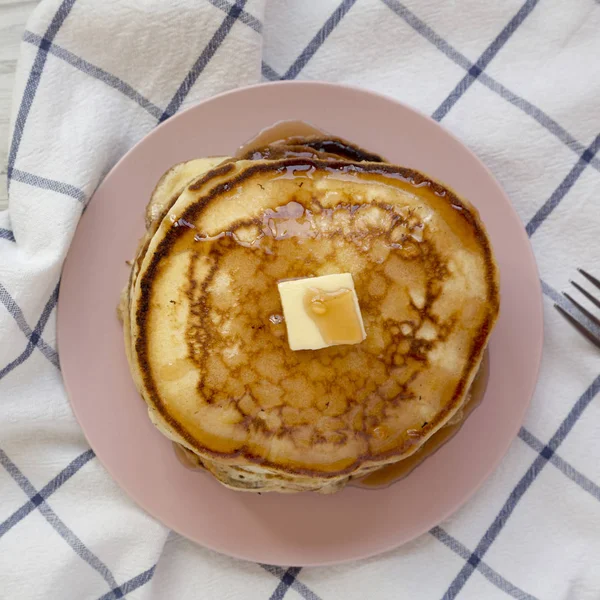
point(207, 344)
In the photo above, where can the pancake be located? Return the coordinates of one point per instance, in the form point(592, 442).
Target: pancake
point(314, 146)
point(207, 347)
point(167, 190)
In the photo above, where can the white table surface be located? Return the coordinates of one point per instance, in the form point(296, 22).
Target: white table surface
point(13, 16)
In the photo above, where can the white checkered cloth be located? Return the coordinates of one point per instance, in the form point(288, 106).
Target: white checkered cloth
point(518, 81)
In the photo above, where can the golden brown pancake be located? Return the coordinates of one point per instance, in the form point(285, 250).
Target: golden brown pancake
point(314, 146)
point(209, 352)
point(167, 190)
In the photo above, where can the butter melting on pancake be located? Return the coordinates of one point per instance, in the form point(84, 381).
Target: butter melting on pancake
point(216, 370)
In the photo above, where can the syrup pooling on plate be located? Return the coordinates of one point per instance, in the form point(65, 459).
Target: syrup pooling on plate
point(287, 139)
point(388, 475)
point(187, 458)
point(276, 133)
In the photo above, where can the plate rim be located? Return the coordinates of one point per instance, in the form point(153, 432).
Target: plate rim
point(62, 316)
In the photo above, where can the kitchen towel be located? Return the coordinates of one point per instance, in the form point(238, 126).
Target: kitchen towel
point(517, 81)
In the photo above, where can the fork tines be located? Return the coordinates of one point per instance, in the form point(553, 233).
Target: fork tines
point(587, 332)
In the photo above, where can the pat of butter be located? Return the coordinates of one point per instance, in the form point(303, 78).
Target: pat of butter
point(321, 312)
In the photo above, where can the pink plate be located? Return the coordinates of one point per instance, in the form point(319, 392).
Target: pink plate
point(300, 529)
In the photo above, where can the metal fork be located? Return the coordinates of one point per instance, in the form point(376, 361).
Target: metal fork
point(590, 335)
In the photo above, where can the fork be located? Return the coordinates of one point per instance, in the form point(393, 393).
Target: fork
point(590, 335)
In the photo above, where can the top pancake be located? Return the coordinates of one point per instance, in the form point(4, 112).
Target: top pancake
point(218, 372)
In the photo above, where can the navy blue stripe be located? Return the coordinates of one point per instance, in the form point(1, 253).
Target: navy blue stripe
point(245, 17)
point(519, 491)
point(70, 538)
point(35, 336)
point(561, 191)
point(490, 574)
point(302, 589)
point(517, 101)
point(549, 291)
point(67, 473)
point(562, 465)
point(484, 60)
point(15, 310)
point(17, 361)
point(429, 34)
point(77, 545)
point(129, 586)
point(96, 72)
point(117, 83)
point(33, 81)
point(541, 117)
point(574, 414)
point(203, 60)
point(7, 234)
point(287, 580)
point(16, 474)
point(46, 491)
point(332, 22)
point(568, 307)
point(269, 73)
point(49, 184)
